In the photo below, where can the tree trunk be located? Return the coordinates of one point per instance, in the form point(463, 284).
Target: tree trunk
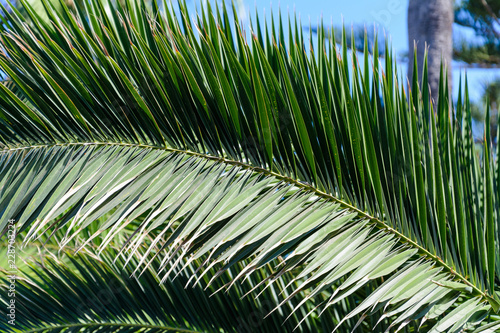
point(430, 24)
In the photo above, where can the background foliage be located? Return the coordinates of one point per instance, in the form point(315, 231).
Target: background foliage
point(182, 146)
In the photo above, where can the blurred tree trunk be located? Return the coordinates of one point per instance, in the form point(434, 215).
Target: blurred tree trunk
point(430, 23)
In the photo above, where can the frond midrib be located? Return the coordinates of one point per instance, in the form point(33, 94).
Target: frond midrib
point(377, 222)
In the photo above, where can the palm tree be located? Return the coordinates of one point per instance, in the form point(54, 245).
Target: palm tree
point(430, 25)
point(213, 182)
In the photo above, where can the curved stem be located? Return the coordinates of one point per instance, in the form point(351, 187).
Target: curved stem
point(374, 220)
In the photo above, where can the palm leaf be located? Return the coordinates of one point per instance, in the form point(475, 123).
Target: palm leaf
point(89, 295)
point(57, 291)
point(239, 150)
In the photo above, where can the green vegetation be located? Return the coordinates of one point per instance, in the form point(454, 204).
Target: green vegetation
point(482, 17)
point(298, 183)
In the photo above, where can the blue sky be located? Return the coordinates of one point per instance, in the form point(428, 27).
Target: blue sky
point(388, 15)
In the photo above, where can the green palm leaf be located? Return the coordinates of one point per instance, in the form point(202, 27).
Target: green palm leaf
point(82, 294)
point(232, 150)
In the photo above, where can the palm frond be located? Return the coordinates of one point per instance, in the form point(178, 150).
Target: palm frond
point(248, 150)
point(91, 295)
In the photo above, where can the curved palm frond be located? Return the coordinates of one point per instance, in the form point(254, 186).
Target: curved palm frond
point(248, 151)
point(68, 293)
point(99, 296)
